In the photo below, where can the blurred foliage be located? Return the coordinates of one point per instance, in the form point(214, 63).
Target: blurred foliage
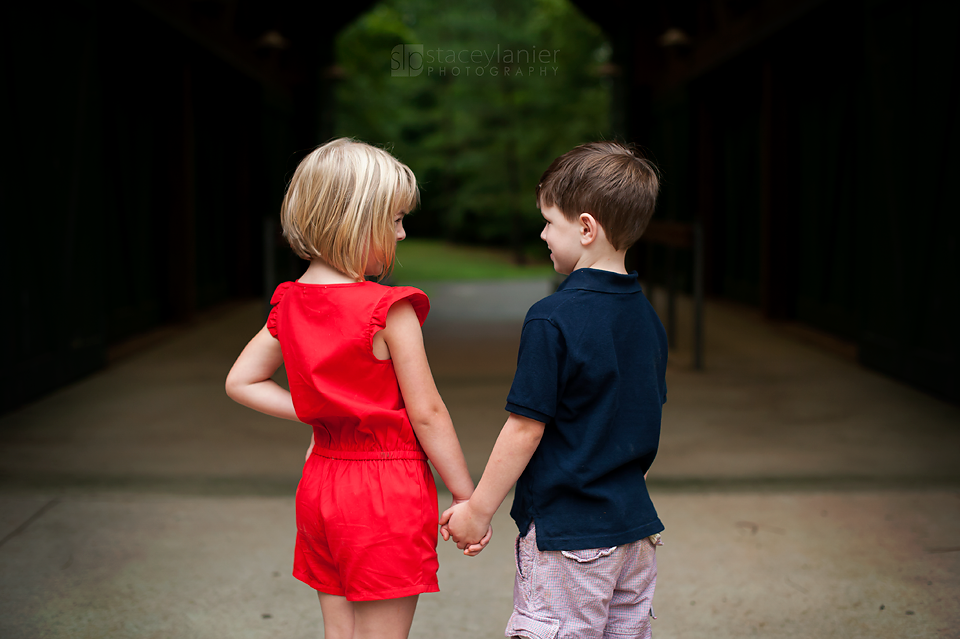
point(426, 260)
point(504, 88)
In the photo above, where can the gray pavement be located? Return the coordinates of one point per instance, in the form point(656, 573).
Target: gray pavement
point(803, 495)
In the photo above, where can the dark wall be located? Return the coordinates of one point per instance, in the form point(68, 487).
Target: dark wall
point(137, 172)
point(141, 163)
point(910, 227)
point(53, 199)
point(819, 160)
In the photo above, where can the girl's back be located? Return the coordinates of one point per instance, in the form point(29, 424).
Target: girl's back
point(358, 373)
point(349, 396)
point(366, 484)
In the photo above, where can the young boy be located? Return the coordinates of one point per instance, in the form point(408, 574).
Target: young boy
point(584, 421)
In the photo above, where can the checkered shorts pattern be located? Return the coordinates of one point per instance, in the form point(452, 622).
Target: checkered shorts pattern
point(583, 594)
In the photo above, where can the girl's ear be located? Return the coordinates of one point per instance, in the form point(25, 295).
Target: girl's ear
point(589, 229)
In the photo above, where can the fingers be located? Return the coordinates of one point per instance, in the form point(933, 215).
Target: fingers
point(445, 517)
point(486, 538)
point(472, 550)
point(460, 534)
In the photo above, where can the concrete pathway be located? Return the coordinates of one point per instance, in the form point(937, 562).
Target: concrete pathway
point(803, 495)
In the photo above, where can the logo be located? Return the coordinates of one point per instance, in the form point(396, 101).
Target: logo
point(406, 60)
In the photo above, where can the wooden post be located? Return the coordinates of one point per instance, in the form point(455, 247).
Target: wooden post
point(768, 293)
point(674, 235)
point(698, 296)
point(777, 286)
point(181, 280)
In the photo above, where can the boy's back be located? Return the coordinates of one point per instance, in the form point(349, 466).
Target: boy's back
point(591, 367)
point(584, 420)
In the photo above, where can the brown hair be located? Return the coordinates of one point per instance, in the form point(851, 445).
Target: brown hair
point(611, 181)
point(340, 205)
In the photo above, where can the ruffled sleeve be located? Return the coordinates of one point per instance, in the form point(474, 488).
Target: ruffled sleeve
point(394, 294)
point(275, 302)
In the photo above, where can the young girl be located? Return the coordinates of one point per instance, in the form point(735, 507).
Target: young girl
point(367, 503)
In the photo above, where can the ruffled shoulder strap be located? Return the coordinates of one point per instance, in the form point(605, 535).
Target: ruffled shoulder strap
point(393, 294)
point(275, 301)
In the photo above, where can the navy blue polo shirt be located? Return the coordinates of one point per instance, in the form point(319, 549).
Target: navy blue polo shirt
point(591, 366)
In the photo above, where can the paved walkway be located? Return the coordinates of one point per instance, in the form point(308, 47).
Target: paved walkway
point(803, 495)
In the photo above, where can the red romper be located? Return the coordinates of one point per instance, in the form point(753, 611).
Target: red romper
point(367, 503)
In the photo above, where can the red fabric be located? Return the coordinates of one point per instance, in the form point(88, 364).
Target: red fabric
point(367, 503)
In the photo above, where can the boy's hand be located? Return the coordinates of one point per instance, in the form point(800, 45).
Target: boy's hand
point(470, 531)
point(472, 550)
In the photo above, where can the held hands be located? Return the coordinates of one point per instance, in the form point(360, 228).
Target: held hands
point(470, 531)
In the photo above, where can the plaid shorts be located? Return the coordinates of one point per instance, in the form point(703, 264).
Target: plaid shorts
point(583, 594)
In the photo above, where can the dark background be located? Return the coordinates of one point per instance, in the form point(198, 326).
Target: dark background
point(147, 145)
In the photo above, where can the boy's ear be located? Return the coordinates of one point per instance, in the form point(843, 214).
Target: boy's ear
point(589, 229)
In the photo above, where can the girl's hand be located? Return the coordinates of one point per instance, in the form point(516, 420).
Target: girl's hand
point(471, 531)
point(473, 549)
point(444, 530)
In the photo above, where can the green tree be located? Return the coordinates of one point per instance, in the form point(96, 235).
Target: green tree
point(503, 89)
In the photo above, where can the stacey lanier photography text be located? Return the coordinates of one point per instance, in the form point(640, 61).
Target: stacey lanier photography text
point(408, 60)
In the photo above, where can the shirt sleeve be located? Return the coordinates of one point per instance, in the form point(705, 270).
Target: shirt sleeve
point(273, 317)
point(536, 384)
point(417, 298)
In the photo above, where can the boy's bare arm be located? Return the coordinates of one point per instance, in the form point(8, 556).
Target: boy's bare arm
point(468, 522)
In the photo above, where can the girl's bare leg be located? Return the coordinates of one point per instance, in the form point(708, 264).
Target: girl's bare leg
point(337, 616)
point(385, 619)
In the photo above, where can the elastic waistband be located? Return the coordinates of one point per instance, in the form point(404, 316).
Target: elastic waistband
point(376, 455)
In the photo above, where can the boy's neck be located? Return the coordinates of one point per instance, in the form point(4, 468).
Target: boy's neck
point(604, 260)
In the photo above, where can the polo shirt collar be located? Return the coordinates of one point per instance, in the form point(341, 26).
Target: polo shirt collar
point(590, 279)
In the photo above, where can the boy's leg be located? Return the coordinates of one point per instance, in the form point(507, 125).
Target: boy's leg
point(631, 606)
point(562, 595)
point(386, 619)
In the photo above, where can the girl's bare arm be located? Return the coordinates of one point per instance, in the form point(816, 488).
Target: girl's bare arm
point(517, 443)
point(249, 381)
point(426, 410)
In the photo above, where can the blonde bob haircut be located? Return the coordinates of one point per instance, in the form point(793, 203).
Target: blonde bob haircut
point(341, 205)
